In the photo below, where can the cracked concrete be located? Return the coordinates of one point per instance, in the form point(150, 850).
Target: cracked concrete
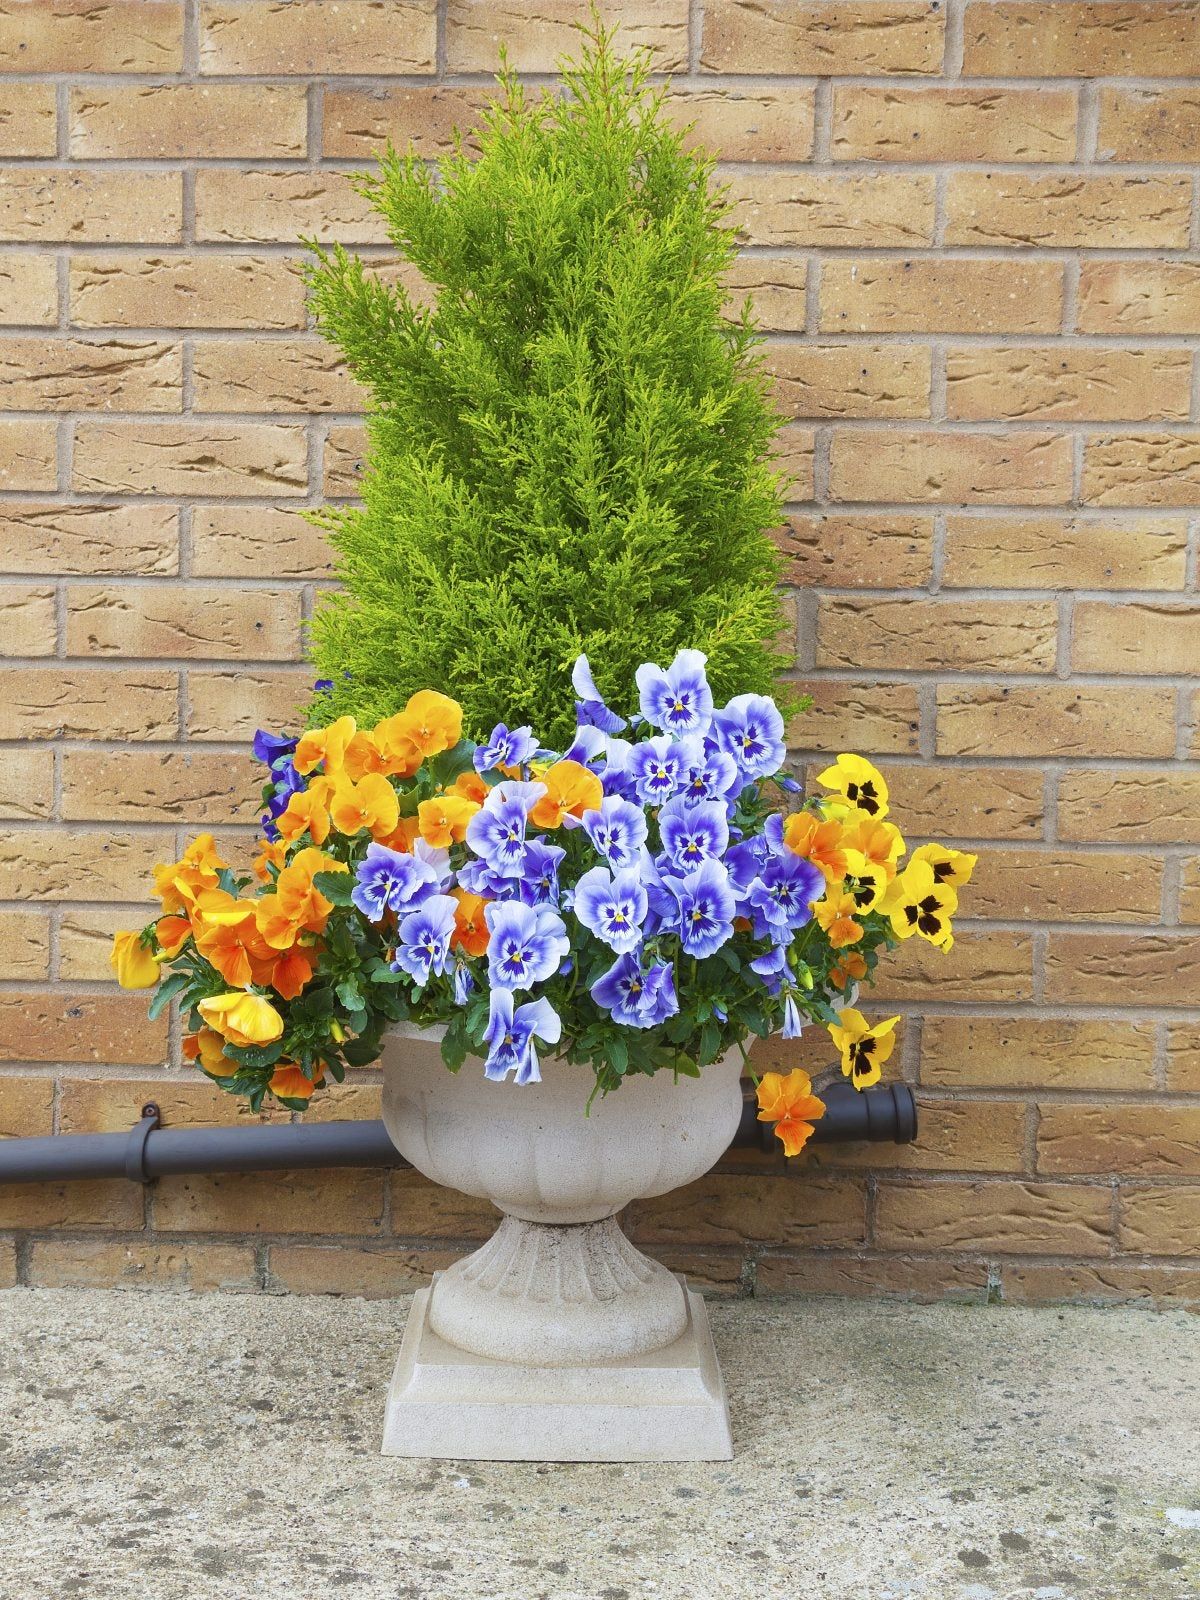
point(197, 1446)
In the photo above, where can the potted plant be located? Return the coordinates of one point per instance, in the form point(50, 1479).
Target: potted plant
point(538, 851)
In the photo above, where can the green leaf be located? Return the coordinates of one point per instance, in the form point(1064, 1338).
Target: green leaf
point(166, 992)
point(617, 1052)
point(447, 766)
point(455, 1045)
point(255, 1056)
point(337, 887)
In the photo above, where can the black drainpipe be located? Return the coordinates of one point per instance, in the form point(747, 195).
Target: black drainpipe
point(147, 1151)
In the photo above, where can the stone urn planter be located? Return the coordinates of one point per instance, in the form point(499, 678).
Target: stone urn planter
point(557, 1339)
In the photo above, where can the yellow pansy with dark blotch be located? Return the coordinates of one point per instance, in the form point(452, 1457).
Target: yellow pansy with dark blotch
point(917, 903)
point(864, 1048)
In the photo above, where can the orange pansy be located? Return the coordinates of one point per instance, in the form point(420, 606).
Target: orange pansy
point(198, 869)
point(296, 905)
point(791, 1105)
point(433, 722)
point(821, 842)
point(293, 970)
point(227, 936)
point(851, 968)
point(325, 744)
point(836, 913)
point(308, 812)
point(471, 786)
point(371, 803)
point(881, 842)
point(470, 930)
point(289, 1082)
point(570, 791)
point(398, 752)
point(207, 1049)
point(172, 934)
point(242, 1018)
point(443, 820)
point(271, 853)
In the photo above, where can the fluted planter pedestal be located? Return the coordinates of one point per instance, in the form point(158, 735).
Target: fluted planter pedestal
point(558, 1340)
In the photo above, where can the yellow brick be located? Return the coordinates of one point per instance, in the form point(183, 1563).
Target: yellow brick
point(248, 541)
point(205, 790)
point(252, 206)
point(928, 295)
point(850, 380)
point(125, 1264)
point(944, 468)
point(28, 454)
point(535, 40)
point(45, 204)
point(967, 802)
point(59, 1026)
point(1057, 885)
point(85, 937)
point(45, 374)
point(896, 1277)
point(816, 208)
point(1139, 297)
point(1189, 892)
point(166, 619)
point(27, 625)
point(73, 36)
point(1133, 552)
point(424, 1210)
point(1132, 808)
point(1052, 382)
point(360, 122)
point(26, 784)
point(28, 289)
point(980, 967)
point(1126, 636)
point(776, 286)
point(1142, 469)
point(272, 375)
point(105, 866)
point(994, 124)
point(1069, 211)
point(1143, 1139)
point(103, 1203)
point(208, 291)
point(347, 1201)
point(339, 1102)
point(883, 718)
point(1035, 1052)
point(1076, 38)
point(345, 446)
point(794, 448)
point(87, 703)
point(28, 122)
point(937, 635)
point(1101, 1283)
point(372, 1274)
point(164, 120)
point(818, 37)
point(36, 537)
point(1107, 969)
point(1161, 124)
point(296, 39)
point(726, 1208)
point(111, 1105)
point(1162, 1221)
point(26, 1107)
point(746, 125)
point(963, 1136)
point(1054, 719)
point(24, 947)
point(1022, 1218)
point(210, 458)
point(844, 552)
point(234, 705)
point(1183, 1057)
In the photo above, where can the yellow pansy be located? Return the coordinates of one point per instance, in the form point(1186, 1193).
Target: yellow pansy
point(242, 1018)
point(881, 842)
point(917, 903)
point(949, 866)
point(865, 882)
point(858, 783)
point(325, 744)
point(135, 966)
point(864, 1049)
point(443, 820)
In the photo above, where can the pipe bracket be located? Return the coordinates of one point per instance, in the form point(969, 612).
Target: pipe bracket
point(135, 1149)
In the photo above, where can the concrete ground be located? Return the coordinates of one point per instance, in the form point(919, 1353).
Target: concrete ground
point(173, 1446)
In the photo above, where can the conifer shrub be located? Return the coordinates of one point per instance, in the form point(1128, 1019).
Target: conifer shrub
point(569, 448)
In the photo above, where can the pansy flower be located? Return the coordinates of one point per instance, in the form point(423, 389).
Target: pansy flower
point(228, 936)
point(296, 905)
point(863, 1049)
point(510, 1034)
point(443, 820)
point(199, 868)
point(242, 1018)
point(470, 928)
point(882, 843)
point(371, 803)
point(677, 701)
point(506, 747)
point(949, 866)
point(538, 883)
point(612, 906)
point(527, 944)
point(326, 745)
point(424, 938)
point(783, 895)
point(270, 748)
point(388, 880)
point(837, 914)
point(859, 783)
point(134, 963)
point(497, 833)
point(917, 903)
point(713, 777)
point(207, 1049)
point(617, 829)
point(692, 833)
point(702, 913)
point(750, 729)
point(307, 811)
point(634, 998)
point(590, 709)
point(658, 767)
point(571, 790)
point(818, 839)
point(587, 747)
point(790, 1104)
point(291, 1082)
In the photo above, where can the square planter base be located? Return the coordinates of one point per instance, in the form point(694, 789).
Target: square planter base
point(668, 1405)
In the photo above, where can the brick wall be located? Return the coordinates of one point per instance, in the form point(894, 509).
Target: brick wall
point(974, 234)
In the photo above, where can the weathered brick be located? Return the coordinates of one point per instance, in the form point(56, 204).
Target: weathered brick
point(817, 208)
point(167, 619)
point(185, 291)
point(299, 37)
point(376, 1273)
point(272, 375)
point(1149, 1140)
point(73, 36)
point(1139, 297)
point(1054, 719)
point(103, 866)
point(212, 458)
point(63, 702)
point(343, 1201)
point(1068, 211)
point(1036, 1052)
point(85, 937)
point(28, 289)
point(1130, 807)
point(125, 1264)
point(967, 802)
point(28, 454)
point(345, 447)
point(901, 1277)
point(1132, 38)
point(250, 541)
point(881, 717)
point(818, 37)
point(1052, 382)
point(943, 468)
point(1127, 636)
point(27, 626)
point(1160, 1220)
point(1100, 1283)
point(45, 374)
point(1056, 885)
point(870, 552)
point(776, 286)
point(99, 1203)
point(981, 967)
point(1104, 969)
point(24, 947)
point(59, 1026)
point(360, 122)
point(253, 206)
point(1142, 469)
point(67, 204)
point(746, 125)
point(1159, 124)
point(234, 705)
point(28, 121)
point(140, 786)
point(535, 40)
point(1189, 892)
point(424, 1210)
point(165, 120)
point(1021, 1218)
point(794, 460)
point(850, 380)
point(959, 124)
point(952, 1136)
point(1183, 1057)
point(107, 1105)
point(26, 1107)
point(338, 1102)
point(26, 784)
point(931, 295)
point(94, 539)
point(939, 635)
point(727, 1208)
point(1047, 552)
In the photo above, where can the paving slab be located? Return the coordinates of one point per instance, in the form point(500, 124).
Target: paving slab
point(183, 1447)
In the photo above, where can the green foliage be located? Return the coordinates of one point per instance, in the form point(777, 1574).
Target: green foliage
point(569, 448)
